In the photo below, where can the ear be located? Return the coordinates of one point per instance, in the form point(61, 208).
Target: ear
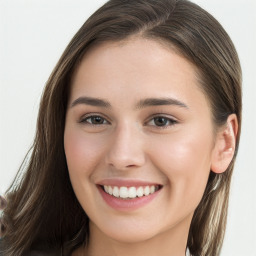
point(225, 144)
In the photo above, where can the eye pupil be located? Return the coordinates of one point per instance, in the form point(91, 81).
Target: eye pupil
point(97, 120)
point(160, 121)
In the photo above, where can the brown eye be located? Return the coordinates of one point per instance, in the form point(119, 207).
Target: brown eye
point(161, 121)
point(94, 120)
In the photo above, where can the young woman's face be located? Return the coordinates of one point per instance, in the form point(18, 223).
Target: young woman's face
point(138, 139)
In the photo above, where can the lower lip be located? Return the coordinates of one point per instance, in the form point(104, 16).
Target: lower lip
point(127, 204)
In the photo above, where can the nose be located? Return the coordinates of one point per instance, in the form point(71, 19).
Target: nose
point(126, 148)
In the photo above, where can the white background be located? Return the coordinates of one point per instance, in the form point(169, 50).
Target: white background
point(34, 33)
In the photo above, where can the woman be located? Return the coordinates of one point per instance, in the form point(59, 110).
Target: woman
point(137, 134)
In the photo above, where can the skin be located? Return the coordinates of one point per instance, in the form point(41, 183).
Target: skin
point(129, 144)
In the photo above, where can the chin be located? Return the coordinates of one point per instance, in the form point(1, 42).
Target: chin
point(128, 232)
point(135, 236)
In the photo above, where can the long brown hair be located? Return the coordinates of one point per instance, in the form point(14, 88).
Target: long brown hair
point(42, 206)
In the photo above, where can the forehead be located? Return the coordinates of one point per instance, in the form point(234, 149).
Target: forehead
point(136, 66)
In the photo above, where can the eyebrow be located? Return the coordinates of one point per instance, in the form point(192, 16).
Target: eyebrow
point(149, 102)
point(160, 102)
point(92, 102)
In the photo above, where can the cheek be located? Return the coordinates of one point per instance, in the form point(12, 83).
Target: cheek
point(185, 161)
point(83, 152)
point(83, 155)
point(183, 154)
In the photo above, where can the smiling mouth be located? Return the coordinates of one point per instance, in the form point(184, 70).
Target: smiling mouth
point(130, 192)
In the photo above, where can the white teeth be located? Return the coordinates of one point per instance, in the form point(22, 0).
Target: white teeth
point(131, 192)
point(146, 191)
point(110, 190)
point(140, 191)
point(115, 192)
point(123, 192)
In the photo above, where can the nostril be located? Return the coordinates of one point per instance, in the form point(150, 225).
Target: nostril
point(131, 165)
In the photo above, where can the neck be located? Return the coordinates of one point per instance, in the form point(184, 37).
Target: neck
point(171, 242)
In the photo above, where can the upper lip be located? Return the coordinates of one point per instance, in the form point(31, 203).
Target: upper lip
point(127, 183)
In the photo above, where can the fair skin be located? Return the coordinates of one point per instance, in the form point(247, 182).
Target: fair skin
point(137, 117)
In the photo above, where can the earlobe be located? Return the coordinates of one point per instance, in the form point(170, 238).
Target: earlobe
point(225, 145)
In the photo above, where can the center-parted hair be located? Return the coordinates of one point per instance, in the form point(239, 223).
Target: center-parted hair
point(41, 205)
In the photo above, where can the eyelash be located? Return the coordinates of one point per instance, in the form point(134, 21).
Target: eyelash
point(167, 121)
point(86, 118)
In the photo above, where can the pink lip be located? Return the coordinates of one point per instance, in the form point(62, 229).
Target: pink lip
point(127, 204)
point(126, 183)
